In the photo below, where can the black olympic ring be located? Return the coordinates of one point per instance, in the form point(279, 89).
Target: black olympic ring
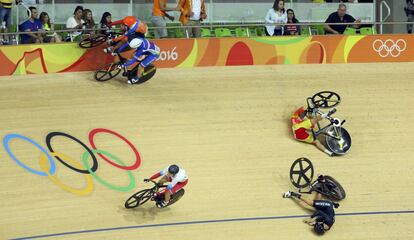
point(49, 146)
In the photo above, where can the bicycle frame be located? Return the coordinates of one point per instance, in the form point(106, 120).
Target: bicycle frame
point(313, 188)
point(156, 187)
point(320, 130)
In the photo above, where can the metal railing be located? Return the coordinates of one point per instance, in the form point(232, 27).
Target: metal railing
point(382, 17)
point(214, 26)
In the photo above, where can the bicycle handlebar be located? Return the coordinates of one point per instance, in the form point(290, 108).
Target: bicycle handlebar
point(150, 180)
point(334, 121)
point(156, 183)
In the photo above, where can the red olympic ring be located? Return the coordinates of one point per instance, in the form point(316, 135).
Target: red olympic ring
point(103, 130)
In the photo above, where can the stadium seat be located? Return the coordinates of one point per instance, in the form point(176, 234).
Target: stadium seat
point(205, 32)
point(367, 31)
point(12, 28)
point(242, 32)
point(252, 32)
point(222, 32)
point(320, 30)
point(179, 33)
point(305, 31)
point(260, 32)
point(350, 31)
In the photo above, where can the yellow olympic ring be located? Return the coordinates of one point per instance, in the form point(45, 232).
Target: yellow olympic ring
point(45, 167)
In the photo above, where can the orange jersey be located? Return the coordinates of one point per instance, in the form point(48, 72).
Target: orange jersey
point(156, 9)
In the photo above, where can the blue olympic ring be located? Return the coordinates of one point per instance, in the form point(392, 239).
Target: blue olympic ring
point(6, 141)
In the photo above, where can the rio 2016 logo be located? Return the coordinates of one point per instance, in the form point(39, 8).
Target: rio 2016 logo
point(48, 165)
point(168, 55)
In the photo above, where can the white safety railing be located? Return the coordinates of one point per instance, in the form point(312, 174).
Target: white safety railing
point(382, 17)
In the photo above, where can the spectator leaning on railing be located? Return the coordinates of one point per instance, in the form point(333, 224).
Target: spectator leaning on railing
point(105, 22)
point(75, 22)
point(292, 27)
point(50, 36)
point(276, 15)
point(33, 27)
point(192, 13)
point(409, 11)
point(340, 16)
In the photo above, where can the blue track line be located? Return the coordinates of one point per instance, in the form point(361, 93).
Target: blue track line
point(206, 222)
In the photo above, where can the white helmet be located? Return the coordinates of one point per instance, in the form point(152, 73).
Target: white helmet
point(135, 43)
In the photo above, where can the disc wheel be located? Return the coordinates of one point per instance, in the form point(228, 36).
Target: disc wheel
point(107, 72)
point(326, 99)
point(301, 173)
point(341, 146)
point(176, 197)
point(338, 193)
point(93, 41)
point(138, 198)
point(149, 72)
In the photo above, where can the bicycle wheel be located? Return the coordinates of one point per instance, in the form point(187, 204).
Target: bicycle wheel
point(326, 99)
point(341, 146)
point(107, 72)
point(93, 41)
point(149, 72)
point(138, 198)
point(303, 169)
point(176, 197)
point(338, 193)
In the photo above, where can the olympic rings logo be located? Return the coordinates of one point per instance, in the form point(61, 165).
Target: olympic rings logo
point(48, 166)
point(389, 47)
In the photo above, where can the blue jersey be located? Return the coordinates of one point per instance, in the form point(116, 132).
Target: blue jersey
point(146, 48)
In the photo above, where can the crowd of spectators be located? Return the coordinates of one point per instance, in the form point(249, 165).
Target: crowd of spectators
point(285, 22)
point(40, 29)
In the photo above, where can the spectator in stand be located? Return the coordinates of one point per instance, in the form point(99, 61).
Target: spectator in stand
point(105, 22)
point(409, 11)
point(33, 27)
point(3, 29)
point(340, 16)
point(292, 27)
point(5, 11)
point(87, 17)
point(50, 36)
point(192, 13)
point(276, 15)
point(75, 22)
point(158, 17)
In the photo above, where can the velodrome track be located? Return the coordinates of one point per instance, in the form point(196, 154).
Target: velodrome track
point(228, 128)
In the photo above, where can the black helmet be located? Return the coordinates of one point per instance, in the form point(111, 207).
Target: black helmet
point(318, 228)
point(173, 169)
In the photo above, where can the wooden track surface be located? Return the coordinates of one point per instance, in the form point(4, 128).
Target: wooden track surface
point(229, 128)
